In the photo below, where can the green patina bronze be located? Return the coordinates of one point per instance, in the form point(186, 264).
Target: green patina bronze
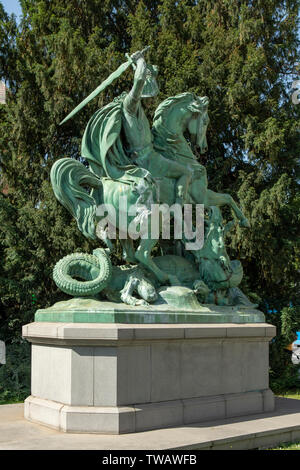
point(81, 310)
point(127, 157)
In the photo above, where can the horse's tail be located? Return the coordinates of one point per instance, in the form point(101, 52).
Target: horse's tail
point(67, 177)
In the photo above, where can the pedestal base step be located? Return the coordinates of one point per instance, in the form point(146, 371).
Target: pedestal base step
point(143, 417)
point(240, 433)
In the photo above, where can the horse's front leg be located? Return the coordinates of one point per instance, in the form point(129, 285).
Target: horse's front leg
point(221, 199)
point(143, 255)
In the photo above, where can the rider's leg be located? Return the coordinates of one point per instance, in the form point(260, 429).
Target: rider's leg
point(181, 189)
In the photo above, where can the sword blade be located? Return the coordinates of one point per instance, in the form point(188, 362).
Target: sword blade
point(98, 90)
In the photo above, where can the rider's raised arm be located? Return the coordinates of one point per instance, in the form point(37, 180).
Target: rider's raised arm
point(132, 99)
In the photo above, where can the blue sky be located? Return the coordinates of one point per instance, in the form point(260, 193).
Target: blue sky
point(12, 6)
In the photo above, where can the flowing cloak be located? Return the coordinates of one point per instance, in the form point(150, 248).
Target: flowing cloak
point(102, 146)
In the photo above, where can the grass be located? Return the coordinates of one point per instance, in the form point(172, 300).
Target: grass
point(291, 394)
point(295, 394)
point(287, 446)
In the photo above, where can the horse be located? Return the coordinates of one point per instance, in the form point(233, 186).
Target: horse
point(173, 117)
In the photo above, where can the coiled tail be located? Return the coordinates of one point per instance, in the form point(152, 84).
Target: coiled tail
point(82, 274)
point(68, 176)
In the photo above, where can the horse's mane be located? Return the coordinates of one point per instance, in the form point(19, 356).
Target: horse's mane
point(167, 105)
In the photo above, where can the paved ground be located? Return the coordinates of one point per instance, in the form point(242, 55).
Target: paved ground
point(248, 432)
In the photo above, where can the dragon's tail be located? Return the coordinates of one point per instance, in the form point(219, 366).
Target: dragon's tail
point(68, 177)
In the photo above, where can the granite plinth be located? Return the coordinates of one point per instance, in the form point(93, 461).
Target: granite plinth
point(122, 378)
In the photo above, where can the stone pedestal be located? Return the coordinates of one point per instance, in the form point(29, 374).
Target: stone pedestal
point(118, 378)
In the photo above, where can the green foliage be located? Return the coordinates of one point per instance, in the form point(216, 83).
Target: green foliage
point(284, 375)
point(290, 318)
point(15, 374)
point(242, 55)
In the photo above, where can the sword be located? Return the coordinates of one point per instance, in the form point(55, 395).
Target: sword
point(103, 85)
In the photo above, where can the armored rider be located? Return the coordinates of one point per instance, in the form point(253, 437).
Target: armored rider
point(139, 139)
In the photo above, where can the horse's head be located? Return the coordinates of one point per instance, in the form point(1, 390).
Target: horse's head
point(197, 122)
point(180, 113)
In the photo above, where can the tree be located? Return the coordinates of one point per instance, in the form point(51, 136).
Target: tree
point(241, 54)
